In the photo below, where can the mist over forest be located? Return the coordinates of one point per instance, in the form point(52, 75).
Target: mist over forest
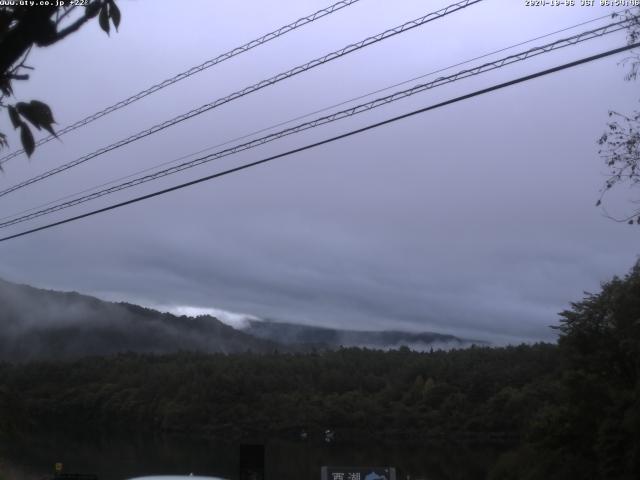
point(399, 232)
point(42, 324)
point(557, 411)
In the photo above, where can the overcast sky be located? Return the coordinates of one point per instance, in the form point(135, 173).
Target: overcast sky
point(476, 219)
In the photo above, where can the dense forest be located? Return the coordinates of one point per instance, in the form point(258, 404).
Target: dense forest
point(564, 411)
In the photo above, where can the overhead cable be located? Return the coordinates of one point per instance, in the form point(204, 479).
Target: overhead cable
point(300, 117)
point(486, 67)
point(246, 91)
point(192, 71)
point(329, 140)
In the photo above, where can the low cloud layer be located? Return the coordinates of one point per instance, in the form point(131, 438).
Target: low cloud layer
point(234, 319)
point(475, 220)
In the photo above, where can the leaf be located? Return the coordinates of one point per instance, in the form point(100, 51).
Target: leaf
point(5, 86)
point(114, 13)
point(13, 115)
point(26, 137)
point(50, 129)
point(38, 113)
point(103, 19)
point(42, 112)
point(598, 203)
point(3, 144)
point(25, 110)
point(630, 222)
point(92, 9)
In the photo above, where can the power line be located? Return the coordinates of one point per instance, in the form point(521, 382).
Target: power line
point(192, 71)
point(331, 139)
point(258, 86)
point(300, 117)
point(509, 60)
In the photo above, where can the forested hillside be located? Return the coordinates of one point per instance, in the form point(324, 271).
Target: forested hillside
point(322, 337)
point(38, 324)
point(589, 425)
point(567, 411)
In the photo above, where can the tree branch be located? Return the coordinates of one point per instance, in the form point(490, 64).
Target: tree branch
point(66, 12)
point(70, 29)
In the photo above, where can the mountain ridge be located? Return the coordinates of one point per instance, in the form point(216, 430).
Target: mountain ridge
point(40, 324)
point(326, 337)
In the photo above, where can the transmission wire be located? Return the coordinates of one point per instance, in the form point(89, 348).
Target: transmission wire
point(246, 91)
point(300, 117)
point(330, 140)
point(509, 60)
point(188, 73)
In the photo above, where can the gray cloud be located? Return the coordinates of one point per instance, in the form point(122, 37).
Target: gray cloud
point(475, 220)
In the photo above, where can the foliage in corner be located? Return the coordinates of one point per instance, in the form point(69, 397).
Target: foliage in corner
point(23, 27)
point(620, 143)
point(588, 428)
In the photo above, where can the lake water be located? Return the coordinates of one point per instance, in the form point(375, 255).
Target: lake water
point(123, 457)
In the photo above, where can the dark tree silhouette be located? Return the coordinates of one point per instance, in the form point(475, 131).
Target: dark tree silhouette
point(620, 143)
point(22, 28)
